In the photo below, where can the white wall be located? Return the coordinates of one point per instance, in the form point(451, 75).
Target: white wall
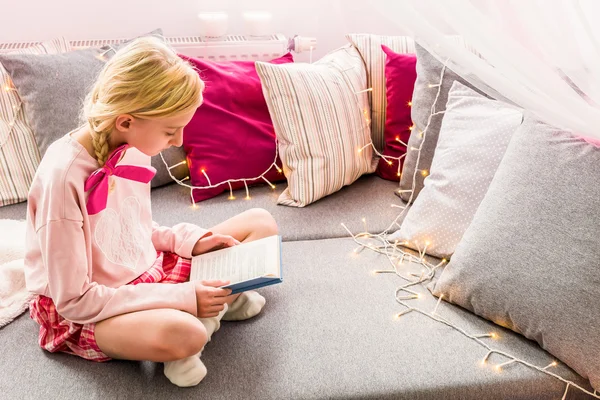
point(327, 20)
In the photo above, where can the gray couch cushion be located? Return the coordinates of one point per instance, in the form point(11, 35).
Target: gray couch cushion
point(429, 70)
point(529, 260)
point(14, 211)
point(472, 140)
point(326, 332)
point(370, 197)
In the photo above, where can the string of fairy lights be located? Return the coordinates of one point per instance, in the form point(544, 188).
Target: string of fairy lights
point(387, 158)
point(397, 253)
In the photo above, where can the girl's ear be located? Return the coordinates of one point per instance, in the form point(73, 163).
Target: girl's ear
point(123, 122)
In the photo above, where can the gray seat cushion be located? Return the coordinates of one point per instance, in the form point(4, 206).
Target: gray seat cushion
point(370, 197)
point(326, 332)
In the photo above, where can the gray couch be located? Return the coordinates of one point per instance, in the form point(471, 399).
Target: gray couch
point(326, 332)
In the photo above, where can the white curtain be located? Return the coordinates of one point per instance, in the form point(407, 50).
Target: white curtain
point(543, 55)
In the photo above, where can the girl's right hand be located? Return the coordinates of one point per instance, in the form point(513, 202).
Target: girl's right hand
point(210, 299)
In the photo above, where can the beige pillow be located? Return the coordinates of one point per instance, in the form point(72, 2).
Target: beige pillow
point(320, 115)
point(369, 47)
point(19, 154)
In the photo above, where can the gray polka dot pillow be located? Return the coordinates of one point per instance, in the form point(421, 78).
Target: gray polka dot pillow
point(473, 138)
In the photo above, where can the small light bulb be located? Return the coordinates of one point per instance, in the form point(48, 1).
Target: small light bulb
point(418, 295)
point(410, 103)
point(247, 198)
point(427, 243)
point(410, 128)
point(493, 335)
point(398, 174)
point(202, 170)
point(444, 260)
point(424, 172)
point(231, 198)
point(498, 368)
point(390, 163)
point(6, 88)
point(554, 363)
point(398, 138)
point(360, 150)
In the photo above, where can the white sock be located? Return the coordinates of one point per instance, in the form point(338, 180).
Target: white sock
point(186, 372)
point(213, 324)
point(246, 306)
point(191, 370)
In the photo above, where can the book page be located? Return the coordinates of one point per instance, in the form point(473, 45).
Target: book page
point(239, 263)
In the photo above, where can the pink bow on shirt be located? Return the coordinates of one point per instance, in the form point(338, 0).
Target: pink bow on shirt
point(97, 182)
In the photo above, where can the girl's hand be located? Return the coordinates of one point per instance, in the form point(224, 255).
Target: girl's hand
point(210, 299)
point(212, 242)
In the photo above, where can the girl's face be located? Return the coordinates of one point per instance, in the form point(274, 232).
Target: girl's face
point(151, 136)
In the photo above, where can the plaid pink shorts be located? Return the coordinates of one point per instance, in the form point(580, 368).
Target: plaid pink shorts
point(60, 335)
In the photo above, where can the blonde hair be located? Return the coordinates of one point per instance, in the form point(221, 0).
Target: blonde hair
point(145, 79)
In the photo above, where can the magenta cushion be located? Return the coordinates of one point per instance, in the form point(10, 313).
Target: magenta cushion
point(400, 76)
point(231, 135)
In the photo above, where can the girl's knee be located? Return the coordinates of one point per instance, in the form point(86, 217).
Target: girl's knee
point(182, 337)
point(263, 221)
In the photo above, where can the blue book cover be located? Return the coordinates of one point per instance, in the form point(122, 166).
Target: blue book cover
point(247, 266)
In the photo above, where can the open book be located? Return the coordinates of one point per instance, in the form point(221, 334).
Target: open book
point(246, 266)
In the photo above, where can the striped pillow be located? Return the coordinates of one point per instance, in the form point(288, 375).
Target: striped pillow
point(19, 154)
point(321, 122)
point(369, 47)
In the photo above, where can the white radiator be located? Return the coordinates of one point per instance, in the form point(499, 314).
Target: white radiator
point(230, 47)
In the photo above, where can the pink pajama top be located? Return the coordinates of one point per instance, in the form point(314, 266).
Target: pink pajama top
point(83, 261)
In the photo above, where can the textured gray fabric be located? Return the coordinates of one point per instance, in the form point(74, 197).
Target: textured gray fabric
point(429, 70)
point(529, 260)
point(326, 332)
point(14, 211)
point(369, 197)
point(53, 88)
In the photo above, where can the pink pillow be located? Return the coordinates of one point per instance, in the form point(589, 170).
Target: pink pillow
point(400, 76)
point(231, 135)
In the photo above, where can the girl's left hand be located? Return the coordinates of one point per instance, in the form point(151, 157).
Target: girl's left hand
point(214, 241)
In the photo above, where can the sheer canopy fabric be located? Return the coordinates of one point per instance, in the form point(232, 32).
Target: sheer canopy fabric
point(542, 55)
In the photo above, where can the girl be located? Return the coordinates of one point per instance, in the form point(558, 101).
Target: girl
point(109, 282)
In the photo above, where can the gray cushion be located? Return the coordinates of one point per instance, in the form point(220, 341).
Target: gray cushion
point(171, 204)
point(14, 211)
point(473, 138)
point(429, 70)
point(326, 332)
point(370, 197)
point(53, 88)
point(529, 260)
